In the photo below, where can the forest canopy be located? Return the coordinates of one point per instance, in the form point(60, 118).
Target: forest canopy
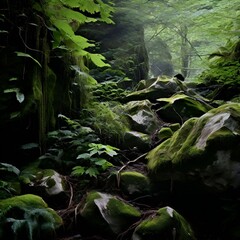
point(191, 29)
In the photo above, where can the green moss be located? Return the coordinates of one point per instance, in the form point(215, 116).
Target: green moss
point(122, 210)
point(223, 138)
point(25, 201)
point(180, 107)
point(27, 217)
point(226, 73)
point(161, 225)
point(90, 207)
point(138, 177)
point(165, 153)
point(174, 127)
point(106, 122)
point(196, 142)
point(107, 214)
point(165, 133)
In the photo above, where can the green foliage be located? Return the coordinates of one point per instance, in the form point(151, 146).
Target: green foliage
point(223, 66)
point(92, 162)
point(19, 220)
point(224, 73)
point(107, 123)
point(65, 143)
point(109, 91)
point(8, 170)
point(208, 24)
point(21, 54)
point(8, 180)
point(73, 144)
point(76, 149)
point(65, 17)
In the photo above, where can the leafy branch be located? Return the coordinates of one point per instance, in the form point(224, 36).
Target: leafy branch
point(65, 17)
point(93, 162)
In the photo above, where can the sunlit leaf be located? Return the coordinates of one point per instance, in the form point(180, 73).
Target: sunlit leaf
point(98, 60)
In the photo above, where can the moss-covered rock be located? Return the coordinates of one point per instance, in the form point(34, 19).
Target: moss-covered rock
point(207, 145)
point(166, 223)
point(161, 87)
point(49, 179)
point(46, 183)
point(27, 217)
point(180, 107)
point(141, 116)
point(134, 184)
point(138, 140)
point(107, 215)
point(174, 126)
point(164, 133)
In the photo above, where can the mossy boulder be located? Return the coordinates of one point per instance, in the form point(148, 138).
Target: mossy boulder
point(141, 116)
point(174, 126)
point(27, 217)
point(46, 183)
point(166, 223)
point(134, 184)
point(137, 140)
point(207, 147)
point(107, 215)
point(162, 87)
point(180, 107)
point(164, 133)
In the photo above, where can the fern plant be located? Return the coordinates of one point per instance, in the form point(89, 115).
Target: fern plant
point(92, 161)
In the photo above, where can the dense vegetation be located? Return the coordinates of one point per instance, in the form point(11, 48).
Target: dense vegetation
point(69, 69)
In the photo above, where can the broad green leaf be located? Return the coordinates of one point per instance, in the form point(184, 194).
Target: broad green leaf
point(9, 167)
point(94, 160)
point(93, 152)
point(110, 150)
point(98, 60)
point(82, 42)
point(92, 172)
point(104, 164)
point(63, 26)
point(78, 171)
point(84, 156)
point(89, 6)
point(71, 3)
point(21, 54)
point(71, 15)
